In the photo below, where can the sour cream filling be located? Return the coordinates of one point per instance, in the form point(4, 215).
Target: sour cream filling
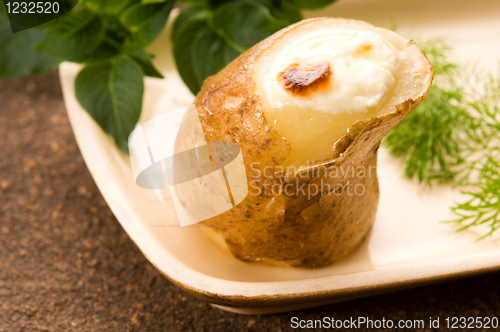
point(363, 67)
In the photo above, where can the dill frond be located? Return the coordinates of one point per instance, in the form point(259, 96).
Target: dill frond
point(482, 175)
point(453, 136)
point(457, 118)
point(483, 206)
point(431, 138)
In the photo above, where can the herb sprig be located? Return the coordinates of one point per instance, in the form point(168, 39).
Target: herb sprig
point(453, 137)
point(483, 205)
point(433, 140)
point(109, 37)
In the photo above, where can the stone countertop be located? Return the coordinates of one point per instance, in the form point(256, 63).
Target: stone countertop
point(67, 265)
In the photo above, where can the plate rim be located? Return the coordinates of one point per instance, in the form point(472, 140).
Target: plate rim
point(257, 294)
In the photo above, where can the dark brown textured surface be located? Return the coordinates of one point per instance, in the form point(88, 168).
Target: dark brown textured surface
point(67, 265)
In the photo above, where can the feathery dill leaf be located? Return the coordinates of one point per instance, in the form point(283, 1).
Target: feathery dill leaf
point(431, 138)
point(457, 118)
point(482, 175)
point(453, 136)
point(429, 141)
point(483, 206)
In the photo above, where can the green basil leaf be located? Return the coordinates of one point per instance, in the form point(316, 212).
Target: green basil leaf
point(284, 10)
point(111, 92)
point(74, 34)
point(107, 49)
point(143, 58)
point(183, 39)
point(210, 53)
point(17, 58)
point(153, 1)
point(112, 7)
point(116, 31)
point(146, 21)
point(245, 23)
point(213, 4)
point(187, 13)
point(311, 4)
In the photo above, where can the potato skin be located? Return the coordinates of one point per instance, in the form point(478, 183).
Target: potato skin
point(294, 230)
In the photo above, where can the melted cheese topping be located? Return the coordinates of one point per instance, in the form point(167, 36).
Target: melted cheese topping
point(362, 66)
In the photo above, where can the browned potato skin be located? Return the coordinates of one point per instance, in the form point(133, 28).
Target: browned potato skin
point(290, 229)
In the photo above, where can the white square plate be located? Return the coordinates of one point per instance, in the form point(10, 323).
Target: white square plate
point(408, 244)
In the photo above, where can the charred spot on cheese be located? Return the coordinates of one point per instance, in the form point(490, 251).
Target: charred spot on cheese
point(299, 80)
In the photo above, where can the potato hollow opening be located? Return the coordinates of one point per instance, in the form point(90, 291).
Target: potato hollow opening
point(304, 119)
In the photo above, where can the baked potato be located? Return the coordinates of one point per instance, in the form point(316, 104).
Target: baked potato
point(309, 106)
